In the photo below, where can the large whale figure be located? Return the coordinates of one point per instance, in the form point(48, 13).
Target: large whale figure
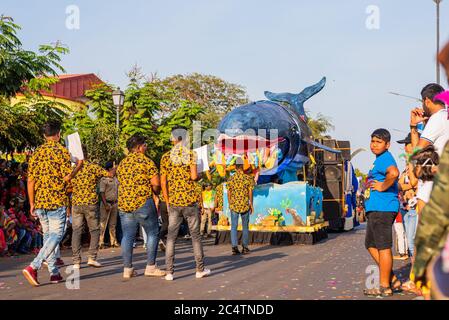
point(278, 127)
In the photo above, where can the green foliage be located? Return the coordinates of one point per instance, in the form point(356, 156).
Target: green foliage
point(320, 125)
point(216, 96)
point(100, 147)
point(26, 72)
point(100, 102)
point(20, 123)
point(19, 66)
point(183, 116)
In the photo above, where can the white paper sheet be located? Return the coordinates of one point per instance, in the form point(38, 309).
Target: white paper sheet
point(73, 143)
point(203, 159)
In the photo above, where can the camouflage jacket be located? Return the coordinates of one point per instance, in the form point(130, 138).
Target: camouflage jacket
point(433, 224)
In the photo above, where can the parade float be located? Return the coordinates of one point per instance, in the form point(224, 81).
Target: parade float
point(273, 141)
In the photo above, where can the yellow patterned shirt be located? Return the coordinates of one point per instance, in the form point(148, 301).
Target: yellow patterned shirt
point(85, 184)
point(48, 166)
point(134, 175)
point(175, 164)
point(238, 186)
point(219, 197)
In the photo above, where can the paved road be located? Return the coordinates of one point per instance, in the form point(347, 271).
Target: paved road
point(332, 269)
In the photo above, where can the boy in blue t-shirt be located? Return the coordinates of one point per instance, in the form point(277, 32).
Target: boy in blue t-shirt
point(382, 206)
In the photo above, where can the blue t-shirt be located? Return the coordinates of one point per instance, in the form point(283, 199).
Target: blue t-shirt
point(383, 201)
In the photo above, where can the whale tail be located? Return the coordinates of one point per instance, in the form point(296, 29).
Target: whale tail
point(297, 100)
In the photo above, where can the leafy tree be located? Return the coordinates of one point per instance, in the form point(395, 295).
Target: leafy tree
point(100, 147)
point(139, 110)
point(215, 95)
point(184, 116)
point(19, 66)
point(25, 72)
point(320, 125)
point(100, 102)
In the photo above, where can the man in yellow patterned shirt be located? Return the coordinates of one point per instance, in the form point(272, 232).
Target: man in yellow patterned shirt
point(49, 172)
point(240, 197)
point(84, 206)
point(138, 178)
point(178, 176)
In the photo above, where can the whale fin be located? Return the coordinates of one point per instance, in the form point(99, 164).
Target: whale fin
point(297, 100)
point(319, 145)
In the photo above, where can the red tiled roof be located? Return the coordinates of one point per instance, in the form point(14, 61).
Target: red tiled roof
point(73, 86)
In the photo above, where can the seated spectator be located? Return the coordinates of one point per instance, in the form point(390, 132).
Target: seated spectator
point(7, 225)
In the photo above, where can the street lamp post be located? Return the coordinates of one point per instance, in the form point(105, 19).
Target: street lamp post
point(118, 97)
point(437, 2)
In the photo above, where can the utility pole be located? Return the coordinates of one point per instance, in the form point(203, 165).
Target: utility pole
point(437, 2)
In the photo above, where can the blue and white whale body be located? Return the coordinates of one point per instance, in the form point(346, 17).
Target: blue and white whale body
point(276, 125)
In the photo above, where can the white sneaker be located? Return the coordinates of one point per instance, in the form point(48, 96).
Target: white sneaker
point(202, 274)
point(76, 266)
point(169, 277)
point(94, 263)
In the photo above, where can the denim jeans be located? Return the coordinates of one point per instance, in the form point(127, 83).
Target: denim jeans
point(411, 223)
point(245, 228)
point(58, 248)
point(146, 216)
point(53, 223)
point(175, 218)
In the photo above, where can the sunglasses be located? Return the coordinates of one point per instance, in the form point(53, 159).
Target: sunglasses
point(425, 164)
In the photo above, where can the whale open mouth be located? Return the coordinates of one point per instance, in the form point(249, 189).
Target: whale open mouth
point(243, 143)
point(255, 151)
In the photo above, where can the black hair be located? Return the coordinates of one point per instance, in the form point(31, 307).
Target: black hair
point(382, 134)
point(179, 133)
point(109, 165)
point(51, 128)
point(239, 164)
point(135, 141)
point(430, 91)
point(25, 166)
point(429, 156)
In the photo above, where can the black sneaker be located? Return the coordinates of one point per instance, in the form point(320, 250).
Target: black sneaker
point(245, 250)
point(235, 251)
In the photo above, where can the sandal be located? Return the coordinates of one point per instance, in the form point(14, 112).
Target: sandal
point(384, 293)
point(410, 287)
point(374, 292)
point(378, 292)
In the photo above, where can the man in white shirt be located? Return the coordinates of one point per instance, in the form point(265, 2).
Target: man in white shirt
point(436, 131)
